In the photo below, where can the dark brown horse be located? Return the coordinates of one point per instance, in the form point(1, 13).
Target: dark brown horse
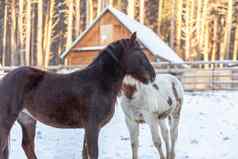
point(82, 99)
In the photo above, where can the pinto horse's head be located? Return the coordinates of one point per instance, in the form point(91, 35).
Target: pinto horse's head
point(135, 61)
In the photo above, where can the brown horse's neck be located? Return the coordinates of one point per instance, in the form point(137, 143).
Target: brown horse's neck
point(108, 70)
point(110, 75)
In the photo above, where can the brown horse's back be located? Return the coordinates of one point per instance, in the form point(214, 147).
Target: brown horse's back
point(22, 78)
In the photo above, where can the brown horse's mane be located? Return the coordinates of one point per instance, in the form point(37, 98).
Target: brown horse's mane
point(106, 55)
point(109, 58)
point(107, 63)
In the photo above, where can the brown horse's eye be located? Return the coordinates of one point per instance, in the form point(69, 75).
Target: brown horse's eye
point(141, 61)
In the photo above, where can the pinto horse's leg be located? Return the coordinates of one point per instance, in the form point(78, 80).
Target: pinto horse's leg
point(85, 151)
point(133, 128)
point(165, 134)
point(174, 122)
point(154, 128)
point(28, 125)
point(92, 133)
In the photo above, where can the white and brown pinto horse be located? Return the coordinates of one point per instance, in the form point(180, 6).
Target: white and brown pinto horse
point(157, 104)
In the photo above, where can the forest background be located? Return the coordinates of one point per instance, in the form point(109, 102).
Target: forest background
point(35, 32)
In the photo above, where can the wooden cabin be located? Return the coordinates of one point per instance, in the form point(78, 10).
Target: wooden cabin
point(112, 25)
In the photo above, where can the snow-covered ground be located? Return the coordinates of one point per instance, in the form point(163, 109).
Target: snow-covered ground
point(208, 130)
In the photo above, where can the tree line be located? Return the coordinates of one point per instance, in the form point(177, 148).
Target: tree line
point(35, 32)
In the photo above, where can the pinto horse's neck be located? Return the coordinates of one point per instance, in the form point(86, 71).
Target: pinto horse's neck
point(108, 67)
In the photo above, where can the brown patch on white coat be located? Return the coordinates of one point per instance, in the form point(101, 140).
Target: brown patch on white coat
point(164, 114)
point(129, 90)
point(176, 112)
point(155, 86)
point(169, 101)
point(140, 119)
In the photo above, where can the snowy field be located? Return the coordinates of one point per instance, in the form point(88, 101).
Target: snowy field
point(208, 130)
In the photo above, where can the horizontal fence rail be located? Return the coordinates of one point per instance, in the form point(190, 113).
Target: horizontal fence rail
point(195, 76)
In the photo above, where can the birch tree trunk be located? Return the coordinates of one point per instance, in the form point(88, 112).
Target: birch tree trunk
point(225, 52)
point(131, 8)
point(40, 33)
point(203, 39)
point(173, 25)
point(99, 9)
point(137, 9)
point(83, 14)
point(198, 20)
point(77, 23)
point(95, 8)
point(111, 3)
point(151, 14)
point(214, 47)
point(13, 34)
point(187, 30)
point(117, 4)
point(160, 15)
point(49, 33)
point(178, 24)
point(124, 5)
point(142, 7)
point(192, 36)
point(21, 32)
point(235, 51)
point(2, 6)
point(28, 33)
point(89, 11)
point(206, 44)
point(5, 36)
point(70, 23)
point(33, 52)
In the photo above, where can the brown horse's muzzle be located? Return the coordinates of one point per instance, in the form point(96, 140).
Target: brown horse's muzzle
point(148, 77)
point(153, 76)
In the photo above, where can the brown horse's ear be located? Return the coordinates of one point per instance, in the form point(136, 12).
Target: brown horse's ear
point(133, 36)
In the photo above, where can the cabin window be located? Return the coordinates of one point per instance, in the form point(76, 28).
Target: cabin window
point(106, 33)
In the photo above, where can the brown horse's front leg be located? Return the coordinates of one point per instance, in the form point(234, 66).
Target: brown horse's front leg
point(92, 133)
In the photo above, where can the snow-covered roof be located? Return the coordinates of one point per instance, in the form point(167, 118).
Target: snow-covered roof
point(149, 39)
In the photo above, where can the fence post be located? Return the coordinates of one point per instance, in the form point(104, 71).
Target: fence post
point(213, 75)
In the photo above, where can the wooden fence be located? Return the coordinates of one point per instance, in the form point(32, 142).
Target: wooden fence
point(195, 76)
point(202, 76)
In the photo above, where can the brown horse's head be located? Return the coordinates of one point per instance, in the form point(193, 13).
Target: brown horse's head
point(135, 61)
